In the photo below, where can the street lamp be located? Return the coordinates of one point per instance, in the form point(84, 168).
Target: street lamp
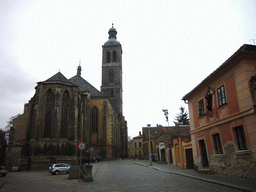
point(149, 145)
point(166, 115)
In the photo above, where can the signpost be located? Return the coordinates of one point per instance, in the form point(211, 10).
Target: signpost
point(81, 147)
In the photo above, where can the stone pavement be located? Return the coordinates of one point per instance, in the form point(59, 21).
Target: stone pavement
point(237, 183)
point(96, 166)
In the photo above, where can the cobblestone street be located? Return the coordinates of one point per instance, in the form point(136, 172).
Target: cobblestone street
point(108, 176)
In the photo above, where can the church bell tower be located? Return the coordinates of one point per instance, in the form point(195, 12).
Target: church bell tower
point(112, 71)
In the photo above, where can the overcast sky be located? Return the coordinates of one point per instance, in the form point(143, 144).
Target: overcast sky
point(169, 47)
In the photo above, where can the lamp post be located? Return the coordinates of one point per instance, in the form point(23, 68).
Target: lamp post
point(166, 115)
point(149, 145)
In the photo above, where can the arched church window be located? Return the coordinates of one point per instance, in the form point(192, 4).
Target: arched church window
point(108, 57)
point(64, 114)
point(114, 56)
point(112, 93)
point(48, 114)
point(94, 119)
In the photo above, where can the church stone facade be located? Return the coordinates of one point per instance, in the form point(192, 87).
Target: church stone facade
point(65, 111)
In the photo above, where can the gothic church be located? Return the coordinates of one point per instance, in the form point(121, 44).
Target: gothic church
point(64, 111)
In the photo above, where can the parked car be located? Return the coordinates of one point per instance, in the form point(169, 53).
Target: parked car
point(58, 168)
point(3, 171)
point(96, 157)
point(15, 168)
point(88, 160)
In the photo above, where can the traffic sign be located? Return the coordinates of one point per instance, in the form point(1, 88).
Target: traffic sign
point(81, 145)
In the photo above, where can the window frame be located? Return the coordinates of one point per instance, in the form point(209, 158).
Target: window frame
point(217, 143)
point(221, 95)
point(50, 101)
point(201, 110)
point(108, 57)
point(240, 137)
point(114, 56)
point(112, 92)
point(95, 119)
point(64, 114)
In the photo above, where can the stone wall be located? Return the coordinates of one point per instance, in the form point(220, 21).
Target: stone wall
point(233, 163)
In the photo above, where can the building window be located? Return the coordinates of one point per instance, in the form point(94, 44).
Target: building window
point(48, 115)
point(95, 119)
point(135, 145)
point(108, 57)
point(221, 95)
point(64, 114)
point(217, 142)
point(112, 93)
point(114, 56)
point(241, 139)
point(201, 108)
point(139, 144)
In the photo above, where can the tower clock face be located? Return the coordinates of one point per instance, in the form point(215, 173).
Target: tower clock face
point(111, 72)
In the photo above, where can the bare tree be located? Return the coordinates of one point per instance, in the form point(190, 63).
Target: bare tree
point(9, 125)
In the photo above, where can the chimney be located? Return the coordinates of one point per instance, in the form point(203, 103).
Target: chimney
point(140, 133)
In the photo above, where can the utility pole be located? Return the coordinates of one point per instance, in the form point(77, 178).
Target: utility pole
point(253, 40)
point(149, 144)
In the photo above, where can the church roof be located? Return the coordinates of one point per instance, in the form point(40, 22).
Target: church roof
point(84, 86)
point(174, 131)
point(59, 78)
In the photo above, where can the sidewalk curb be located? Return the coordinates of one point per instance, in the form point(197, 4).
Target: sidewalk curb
point(200, 178)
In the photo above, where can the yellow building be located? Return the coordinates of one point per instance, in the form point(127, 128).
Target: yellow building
point(183, 153)
point(137, 146)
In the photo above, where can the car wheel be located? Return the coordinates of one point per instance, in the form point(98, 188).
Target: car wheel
point(57, 172)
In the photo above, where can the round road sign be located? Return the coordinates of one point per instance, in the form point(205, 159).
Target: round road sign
point(81, 145)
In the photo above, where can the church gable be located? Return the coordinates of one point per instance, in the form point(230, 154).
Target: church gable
point(55, 111)
point(58, 78)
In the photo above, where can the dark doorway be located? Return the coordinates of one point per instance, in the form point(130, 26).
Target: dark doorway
point(163, 155)
point(170, 153)
point(203, 153)
point(189, 158)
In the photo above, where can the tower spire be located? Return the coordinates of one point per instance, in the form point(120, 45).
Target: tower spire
point(79, 69)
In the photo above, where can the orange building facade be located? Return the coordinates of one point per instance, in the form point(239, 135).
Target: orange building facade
point(223, 118)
